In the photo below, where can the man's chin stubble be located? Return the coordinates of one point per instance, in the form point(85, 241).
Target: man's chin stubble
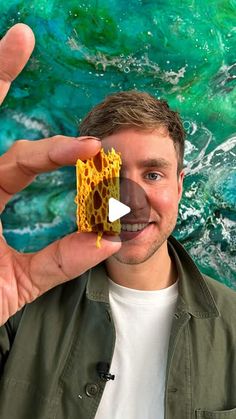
point(136, 260)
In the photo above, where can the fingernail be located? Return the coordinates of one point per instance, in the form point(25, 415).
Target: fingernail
point(87, 138)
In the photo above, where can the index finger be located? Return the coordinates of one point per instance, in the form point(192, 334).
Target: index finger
point(26, 159)
point(15, 50)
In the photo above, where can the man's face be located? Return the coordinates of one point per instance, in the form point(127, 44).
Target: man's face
point(149, 159)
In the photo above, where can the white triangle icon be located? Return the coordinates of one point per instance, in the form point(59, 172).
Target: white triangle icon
point(116, 209)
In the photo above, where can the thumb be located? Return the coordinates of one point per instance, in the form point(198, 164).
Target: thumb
point(68, 258)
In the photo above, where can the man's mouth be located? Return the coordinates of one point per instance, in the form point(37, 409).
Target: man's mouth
point(134, 227)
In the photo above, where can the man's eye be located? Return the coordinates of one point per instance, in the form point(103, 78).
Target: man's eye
point(152, 176)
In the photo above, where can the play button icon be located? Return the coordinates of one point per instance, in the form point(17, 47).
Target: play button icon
point(116, 209)
point(104, 206)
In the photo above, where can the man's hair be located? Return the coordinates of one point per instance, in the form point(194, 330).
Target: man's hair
point(134, 109)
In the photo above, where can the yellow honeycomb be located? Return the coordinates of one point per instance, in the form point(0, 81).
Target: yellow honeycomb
point(97, 182)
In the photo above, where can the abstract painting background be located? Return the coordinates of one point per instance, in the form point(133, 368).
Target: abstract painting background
point(183, 51)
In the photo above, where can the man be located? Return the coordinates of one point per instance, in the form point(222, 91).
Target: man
point(141, 335)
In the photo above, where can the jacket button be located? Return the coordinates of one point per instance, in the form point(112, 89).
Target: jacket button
point(91, 389)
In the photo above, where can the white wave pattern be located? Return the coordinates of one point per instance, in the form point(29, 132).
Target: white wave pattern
point(31, 123)
point(127, 63)
point(223, 154)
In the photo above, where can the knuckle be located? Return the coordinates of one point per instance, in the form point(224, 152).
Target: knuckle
point(19, 145)
point(22, 156)
point(58, 138)
point(58, 260)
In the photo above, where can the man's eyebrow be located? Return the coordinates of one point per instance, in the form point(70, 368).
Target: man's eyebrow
point(154, 162)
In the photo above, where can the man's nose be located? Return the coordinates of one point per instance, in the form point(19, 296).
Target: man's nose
point(132, 194)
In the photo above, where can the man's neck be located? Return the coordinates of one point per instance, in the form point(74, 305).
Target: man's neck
point(158, 272)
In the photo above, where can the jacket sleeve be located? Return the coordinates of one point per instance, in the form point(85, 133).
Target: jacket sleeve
point(7, 335)
point(5, 345)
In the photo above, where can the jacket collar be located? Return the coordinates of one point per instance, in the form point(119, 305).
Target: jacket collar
point(194, 294)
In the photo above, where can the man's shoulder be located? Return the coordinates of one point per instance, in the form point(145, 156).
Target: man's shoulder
point(225, 297)
point(220, 288)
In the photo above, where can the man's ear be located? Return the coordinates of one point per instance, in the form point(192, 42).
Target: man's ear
point(180, 184)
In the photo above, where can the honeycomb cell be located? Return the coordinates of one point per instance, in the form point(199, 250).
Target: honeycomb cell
point(97, 200)
point(97, 160)
point(105, 181)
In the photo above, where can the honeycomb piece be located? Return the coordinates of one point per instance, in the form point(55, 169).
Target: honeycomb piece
point(97, 181)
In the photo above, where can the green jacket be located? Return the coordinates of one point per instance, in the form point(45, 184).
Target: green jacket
point(49, 351)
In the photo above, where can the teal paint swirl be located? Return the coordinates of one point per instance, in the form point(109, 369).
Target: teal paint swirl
point(181, 51)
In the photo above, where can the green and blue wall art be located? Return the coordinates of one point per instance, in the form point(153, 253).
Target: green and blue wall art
point(182, 51)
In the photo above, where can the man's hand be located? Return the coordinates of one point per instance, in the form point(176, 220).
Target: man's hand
point(24, 277)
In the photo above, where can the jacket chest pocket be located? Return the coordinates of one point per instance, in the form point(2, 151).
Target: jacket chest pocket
point(210, 414)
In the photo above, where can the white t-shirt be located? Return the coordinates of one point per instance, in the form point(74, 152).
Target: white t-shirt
point(142, 321)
